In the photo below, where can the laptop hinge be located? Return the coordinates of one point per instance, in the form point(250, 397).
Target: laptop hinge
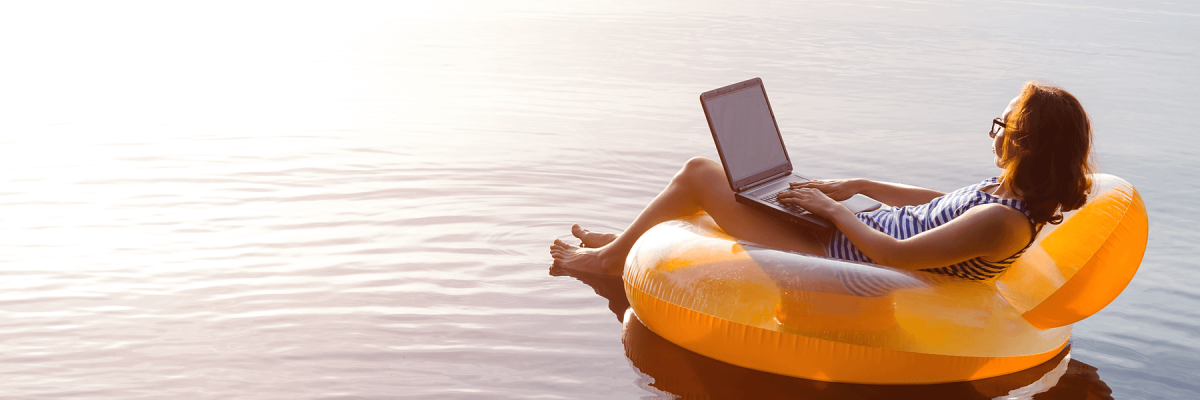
point(767, 179)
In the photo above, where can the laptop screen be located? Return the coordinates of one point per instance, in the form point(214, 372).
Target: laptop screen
point(746, 134)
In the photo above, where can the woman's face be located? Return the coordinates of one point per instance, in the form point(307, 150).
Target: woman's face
point(998, 142)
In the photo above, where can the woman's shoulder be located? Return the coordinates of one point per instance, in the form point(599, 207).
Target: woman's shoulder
point(999, 210)
point(1000, 217)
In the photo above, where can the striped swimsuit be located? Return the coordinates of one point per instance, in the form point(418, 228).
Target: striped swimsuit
point(908, 221)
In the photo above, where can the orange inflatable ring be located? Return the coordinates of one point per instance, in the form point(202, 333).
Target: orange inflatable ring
point(832, 320)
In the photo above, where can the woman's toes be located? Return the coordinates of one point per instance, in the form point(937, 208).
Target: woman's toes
point(581, 234)
point(561, 249)
point(592, 239)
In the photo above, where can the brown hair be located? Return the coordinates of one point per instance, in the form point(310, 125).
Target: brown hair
point(1046, 152)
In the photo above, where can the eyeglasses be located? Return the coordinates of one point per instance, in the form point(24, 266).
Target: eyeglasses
point(997, 125)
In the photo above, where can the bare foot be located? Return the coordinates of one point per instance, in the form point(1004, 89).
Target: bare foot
point(584, 259)
point(592, 239)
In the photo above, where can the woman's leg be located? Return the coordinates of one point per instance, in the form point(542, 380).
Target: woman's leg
point(700, 185)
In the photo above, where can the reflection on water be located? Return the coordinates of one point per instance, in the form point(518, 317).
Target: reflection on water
point(671, 371)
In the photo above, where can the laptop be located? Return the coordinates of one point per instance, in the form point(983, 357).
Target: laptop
point(751, 149)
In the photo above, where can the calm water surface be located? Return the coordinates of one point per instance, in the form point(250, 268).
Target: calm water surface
point(259, 200)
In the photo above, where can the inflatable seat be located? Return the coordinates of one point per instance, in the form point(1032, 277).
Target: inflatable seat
point(832, 320)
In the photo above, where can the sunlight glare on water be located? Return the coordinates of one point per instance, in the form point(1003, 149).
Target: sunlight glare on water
point(314, 200)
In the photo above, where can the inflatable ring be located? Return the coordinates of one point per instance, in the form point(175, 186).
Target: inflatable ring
point(832, 320)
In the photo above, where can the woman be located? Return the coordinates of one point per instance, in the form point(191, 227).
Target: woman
point(1042, 142)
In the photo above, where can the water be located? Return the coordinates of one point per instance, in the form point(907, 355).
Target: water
point(286, 200)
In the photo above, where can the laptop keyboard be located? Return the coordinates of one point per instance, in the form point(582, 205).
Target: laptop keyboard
point(774, 199)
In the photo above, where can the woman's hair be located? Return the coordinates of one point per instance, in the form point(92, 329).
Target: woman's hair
point(1046, 154)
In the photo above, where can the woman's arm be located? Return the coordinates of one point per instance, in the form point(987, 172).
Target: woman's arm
point(991, 231)
point(892, 194)
point(897, 194)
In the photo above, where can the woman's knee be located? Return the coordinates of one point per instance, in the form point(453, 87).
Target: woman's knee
point(700, 169)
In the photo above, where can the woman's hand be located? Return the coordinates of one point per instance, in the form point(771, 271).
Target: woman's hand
point(836, 189)
point(814, 201)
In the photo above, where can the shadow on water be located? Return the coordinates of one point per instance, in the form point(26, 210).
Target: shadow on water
point(675, 372)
